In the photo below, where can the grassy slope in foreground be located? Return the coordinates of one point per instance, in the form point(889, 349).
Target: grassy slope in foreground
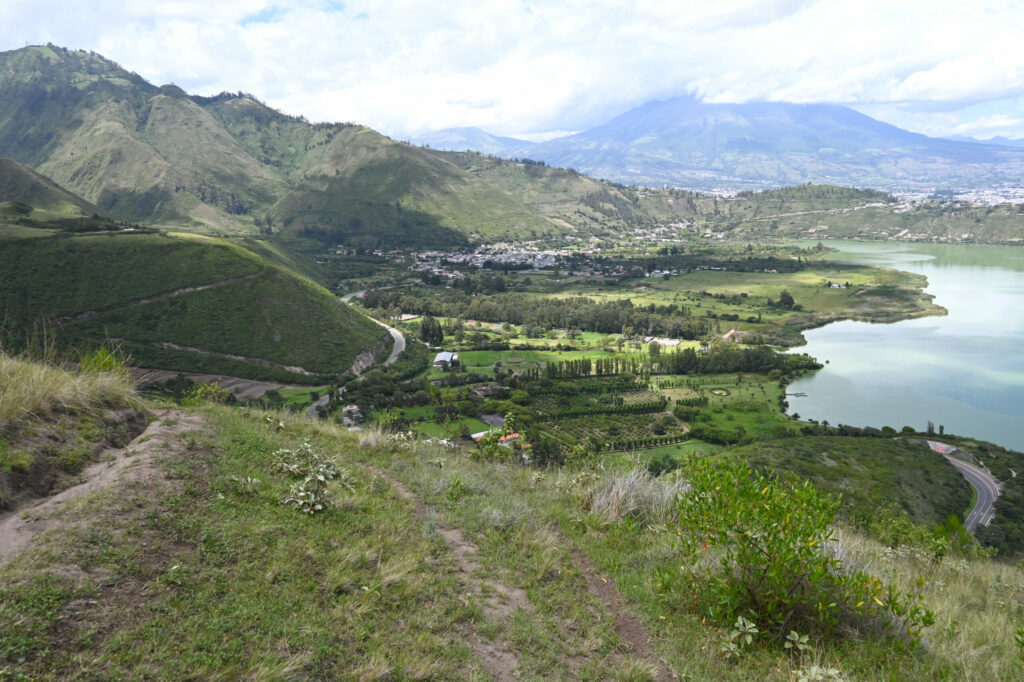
point(219, 579)
point(251, 308)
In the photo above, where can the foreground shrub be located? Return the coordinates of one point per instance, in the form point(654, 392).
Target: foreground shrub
point(753, 546)
point(206, 394)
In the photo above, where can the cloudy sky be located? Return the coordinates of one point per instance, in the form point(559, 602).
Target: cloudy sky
point(531, 68)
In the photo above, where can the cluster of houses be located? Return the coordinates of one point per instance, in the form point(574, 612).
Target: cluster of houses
point(497, 256)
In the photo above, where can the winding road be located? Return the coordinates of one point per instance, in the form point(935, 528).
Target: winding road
point(396, 350)
point(982, 481)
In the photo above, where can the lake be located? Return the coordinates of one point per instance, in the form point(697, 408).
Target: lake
point(964, 371)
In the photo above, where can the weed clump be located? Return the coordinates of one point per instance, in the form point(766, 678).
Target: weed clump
point(310, 495)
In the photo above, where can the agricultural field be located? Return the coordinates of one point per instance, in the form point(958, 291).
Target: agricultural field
point(466, 425)
point(617, 430)
point(596, 403)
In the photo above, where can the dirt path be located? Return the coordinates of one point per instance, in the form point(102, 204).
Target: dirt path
point(500, 600)
point(629, 627)
point(158, 297)
point(135, 462)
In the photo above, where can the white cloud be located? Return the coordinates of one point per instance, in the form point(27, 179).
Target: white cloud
point(507, 65)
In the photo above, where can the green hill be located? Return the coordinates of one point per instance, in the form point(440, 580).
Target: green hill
point(230, 164)
point(178, 302)
point(869, 473)
point(191, 557)
point(19, 184)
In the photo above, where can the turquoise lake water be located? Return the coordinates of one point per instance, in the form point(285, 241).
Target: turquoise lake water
point(964, 371)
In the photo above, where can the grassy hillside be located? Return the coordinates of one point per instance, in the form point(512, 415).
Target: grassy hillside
point(21, 185)
point(571, 198)
point(230, 164)
point(870, 474)
point(367, 190)
point(430, 564)
point(178, 302)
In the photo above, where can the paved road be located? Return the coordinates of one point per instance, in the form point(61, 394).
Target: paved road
point(395, 334)
point(982, 481)
point(395, 352)
point(399, 343)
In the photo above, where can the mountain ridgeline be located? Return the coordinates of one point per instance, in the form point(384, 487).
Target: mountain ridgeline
point(683, 142)
point(232, 165)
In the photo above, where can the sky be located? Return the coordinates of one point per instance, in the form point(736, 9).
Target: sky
point(538, 69)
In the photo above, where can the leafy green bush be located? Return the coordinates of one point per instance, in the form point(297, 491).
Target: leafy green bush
point(755, 546)
point(101, 360)
point(661, 463)
point(205, 394)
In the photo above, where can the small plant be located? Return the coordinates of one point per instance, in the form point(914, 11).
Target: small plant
point(742, 636)
point(246, 485)
point(456, 489)
point(797, 643)
point(311, 495)
point(101, 360)
point(817, 673)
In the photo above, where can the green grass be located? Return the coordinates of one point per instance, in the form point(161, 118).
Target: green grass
point(869, 474)
point(435, 429)
point(423, 412)
point(254, 308)
point(300, 397)
point(206, 575)
point(38, 389)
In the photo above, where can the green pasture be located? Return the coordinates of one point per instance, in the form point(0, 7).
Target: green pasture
point(300, 397)
point(435, 430)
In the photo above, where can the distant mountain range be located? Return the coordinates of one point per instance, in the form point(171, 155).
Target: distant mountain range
point(687, 143)
point(471, 139)
point(229, 164)
point(998, 140)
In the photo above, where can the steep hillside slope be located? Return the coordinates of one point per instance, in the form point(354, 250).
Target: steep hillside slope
point(21, 184)
point(179, 302)
point(573, 199)
point(369, 190)
point(140, 152)
point(230, 164)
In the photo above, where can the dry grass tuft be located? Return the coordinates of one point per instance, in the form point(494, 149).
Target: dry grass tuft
point(35, 389)
point(636, 494)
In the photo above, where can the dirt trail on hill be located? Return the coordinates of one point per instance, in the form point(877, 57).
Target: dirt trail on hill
point(629, 627)
point(157, 297)
point(135, 462)
point(500, 600)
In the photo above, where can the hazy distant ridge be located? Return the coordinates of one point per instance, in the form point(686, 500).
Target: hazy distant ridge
point(688, 143)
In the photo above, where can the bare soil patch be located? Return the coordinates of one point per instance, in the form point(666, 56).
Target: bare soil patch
point(132, 464)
